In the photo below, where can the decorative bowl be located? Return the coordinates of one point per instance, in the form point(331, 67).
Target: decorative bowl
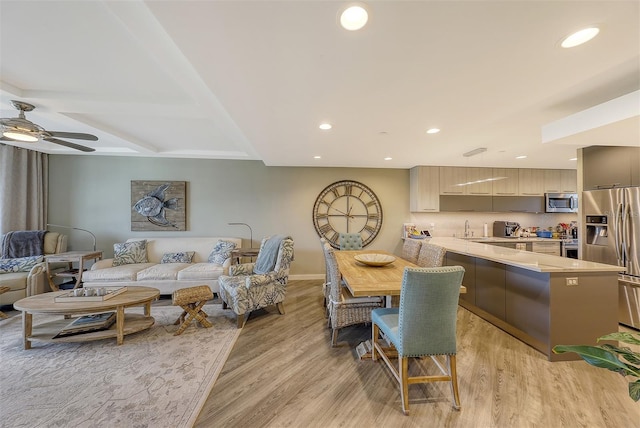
point(374, 259)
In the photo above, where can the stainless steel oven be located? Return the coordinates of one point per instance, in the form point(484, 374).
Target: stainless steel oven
point(561, 202)
point(569, 248)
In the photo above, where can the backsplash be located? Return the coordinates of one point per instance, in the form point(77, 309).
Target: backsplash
point(452, 223)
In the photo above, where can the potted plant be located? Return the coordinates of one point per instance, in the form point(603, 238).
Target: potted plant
point(606, 356)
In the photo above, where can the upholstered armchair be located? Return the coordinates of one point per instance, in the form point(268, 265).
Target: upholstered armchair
point(252, 286)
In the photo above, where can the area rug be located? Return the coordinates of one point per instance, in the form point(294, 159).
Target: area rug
point(154, 379)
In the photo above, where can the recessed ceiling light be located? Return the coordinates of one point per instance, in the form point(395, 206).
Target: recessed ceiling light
point(317, 157)
point(433, 131)
point(573, 159)
point(580, 37)
point(325, 126)
point(521, 157)
point(388, 158)
point(354, 18)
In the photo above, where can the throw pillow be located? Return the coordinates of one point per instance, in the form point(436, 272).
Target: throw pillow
point(20, 264)
point(221, 252)
point(127, 253)
point(179, 257)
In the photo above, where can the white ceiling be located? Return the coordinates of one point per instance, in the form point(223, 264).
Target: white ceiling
point(254, 79)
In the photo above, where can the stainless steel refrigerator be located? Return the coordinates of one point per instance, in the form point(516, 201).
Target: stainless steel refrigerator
point(612, 220)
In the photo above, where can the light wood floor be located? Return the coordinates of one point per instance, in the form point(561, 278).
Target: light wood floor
point(282, 372)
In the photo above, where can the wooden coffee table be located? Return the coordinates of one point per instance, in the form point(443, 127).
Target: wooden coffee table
point(125, 323)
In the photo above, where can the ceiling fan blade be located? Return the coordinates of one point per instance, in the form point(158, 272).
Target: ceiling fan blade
point(74, 135)
point(70, 145)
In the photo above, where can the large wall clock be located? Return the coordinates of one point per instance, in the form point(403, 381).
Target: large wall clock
point(347, 207)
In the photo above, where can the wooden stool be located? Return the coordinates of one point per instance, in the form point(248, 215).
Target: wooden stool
point(192, 300)
point(2, 291)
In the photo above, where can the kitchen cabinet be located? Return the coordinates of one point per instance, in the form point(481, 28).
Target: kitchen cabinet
point(465, 181)
point(507, 186)
point(424, 189)
point(490, 287)
point(450, 179)
point(469, 278)
point(560, 181)
point(531, 182)
point(546, 247)
point(605, 167)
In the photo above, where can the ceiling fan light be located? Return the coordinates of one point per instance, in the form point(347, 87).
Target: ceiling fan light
point(19, 136)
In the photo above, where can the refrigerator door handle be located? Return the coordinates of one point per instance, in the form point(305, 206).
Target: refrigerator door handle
point(618, 234)
point(626, 237)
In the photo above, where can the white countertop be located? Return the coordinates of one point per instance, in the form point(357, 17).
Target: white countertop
point(507, 239)
point(523, 259)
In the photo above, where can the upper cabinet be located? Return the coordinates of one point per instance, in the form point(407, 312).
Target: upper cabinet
point(560, 181)
point(605, 167)
point(424, 188)
point(465, 181)
point(507, 186)
point(531, 182)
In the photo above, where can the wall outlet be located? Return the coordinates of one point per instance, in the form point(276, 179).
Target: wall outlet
point(572, 281)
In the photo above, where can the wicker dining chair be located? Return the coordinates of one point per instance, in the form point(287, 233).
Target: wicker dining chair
point(411, 250)
point(325, 284)
point(423, 325)
point(344, 309)
point(431, 255)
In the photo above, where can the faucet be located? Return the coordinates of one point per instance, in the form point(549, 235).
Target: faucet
point(466, 228)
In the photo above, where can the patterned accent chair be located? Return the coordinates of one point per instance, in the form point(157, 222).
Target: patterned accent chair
point(344, 309)
point(244, 290)
point(350, 241)
point(423, 325)
point(431, 255)
point(411, 250)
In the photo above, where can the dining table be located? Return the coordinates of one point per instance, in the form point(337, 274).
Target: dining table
point(364, 280)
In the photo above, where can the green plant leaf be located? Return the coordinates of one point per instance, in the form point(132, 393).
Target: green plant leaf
point(624, 337)
point(596, 356)
point(627, 354)
point(634, 390)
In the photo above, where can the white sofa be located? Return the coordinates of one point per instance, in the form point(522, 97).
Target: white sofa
point(166, 277)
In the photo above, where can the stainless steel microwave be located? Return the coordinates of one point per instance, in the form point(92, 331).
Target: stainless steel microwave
point(561, 202)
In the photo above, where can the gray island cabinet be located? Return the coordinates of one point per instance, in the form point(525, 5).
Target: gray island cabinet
point(541, 299)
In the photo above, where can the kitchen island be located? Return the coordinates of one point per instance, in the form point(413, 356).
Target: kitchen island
point(541, 299)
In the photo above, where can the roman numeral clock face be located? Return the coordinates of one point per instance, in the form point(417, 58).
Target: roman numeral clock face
point(347, 207)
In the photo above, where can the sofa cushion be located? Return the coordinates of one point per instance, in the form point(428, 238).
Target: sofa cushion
point(201, 271)
point(15, 280)
point(50, 242)
point(221, 251)
point(20, 264)
point(179, 257)
point(116, 273)
point(130, 252)
point(161, 272)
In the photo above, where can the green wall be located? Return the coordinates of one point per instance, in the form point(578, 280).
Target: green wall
point(94, 192)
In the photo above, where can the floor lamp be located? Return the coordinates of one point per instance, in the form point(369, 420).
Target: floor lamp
point(250, 231)
point(76, 228)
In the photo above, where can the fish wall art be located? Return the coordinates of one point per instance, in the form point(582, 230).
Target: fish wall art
point(158, 205)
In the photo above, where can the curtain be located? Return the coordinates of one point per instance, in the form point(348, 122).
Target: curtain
point(24, 189)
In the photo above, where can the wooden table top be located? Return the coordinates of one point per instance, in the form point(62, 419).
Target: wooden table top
point(363, 280)
point(44, 303)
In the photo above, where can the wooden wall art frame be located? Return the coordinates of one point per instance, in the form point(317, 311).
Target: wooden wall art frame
point(158, 205)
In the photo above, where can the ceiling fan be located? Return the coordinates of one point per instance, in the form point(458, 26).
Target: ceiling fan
point(23, 130)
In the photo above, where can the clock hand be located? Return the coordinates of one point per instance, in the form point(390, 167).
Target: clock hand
point(341, 212)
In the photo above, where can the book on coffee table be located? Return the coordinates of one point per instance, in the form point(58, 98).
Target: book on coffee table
point(88, 323)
